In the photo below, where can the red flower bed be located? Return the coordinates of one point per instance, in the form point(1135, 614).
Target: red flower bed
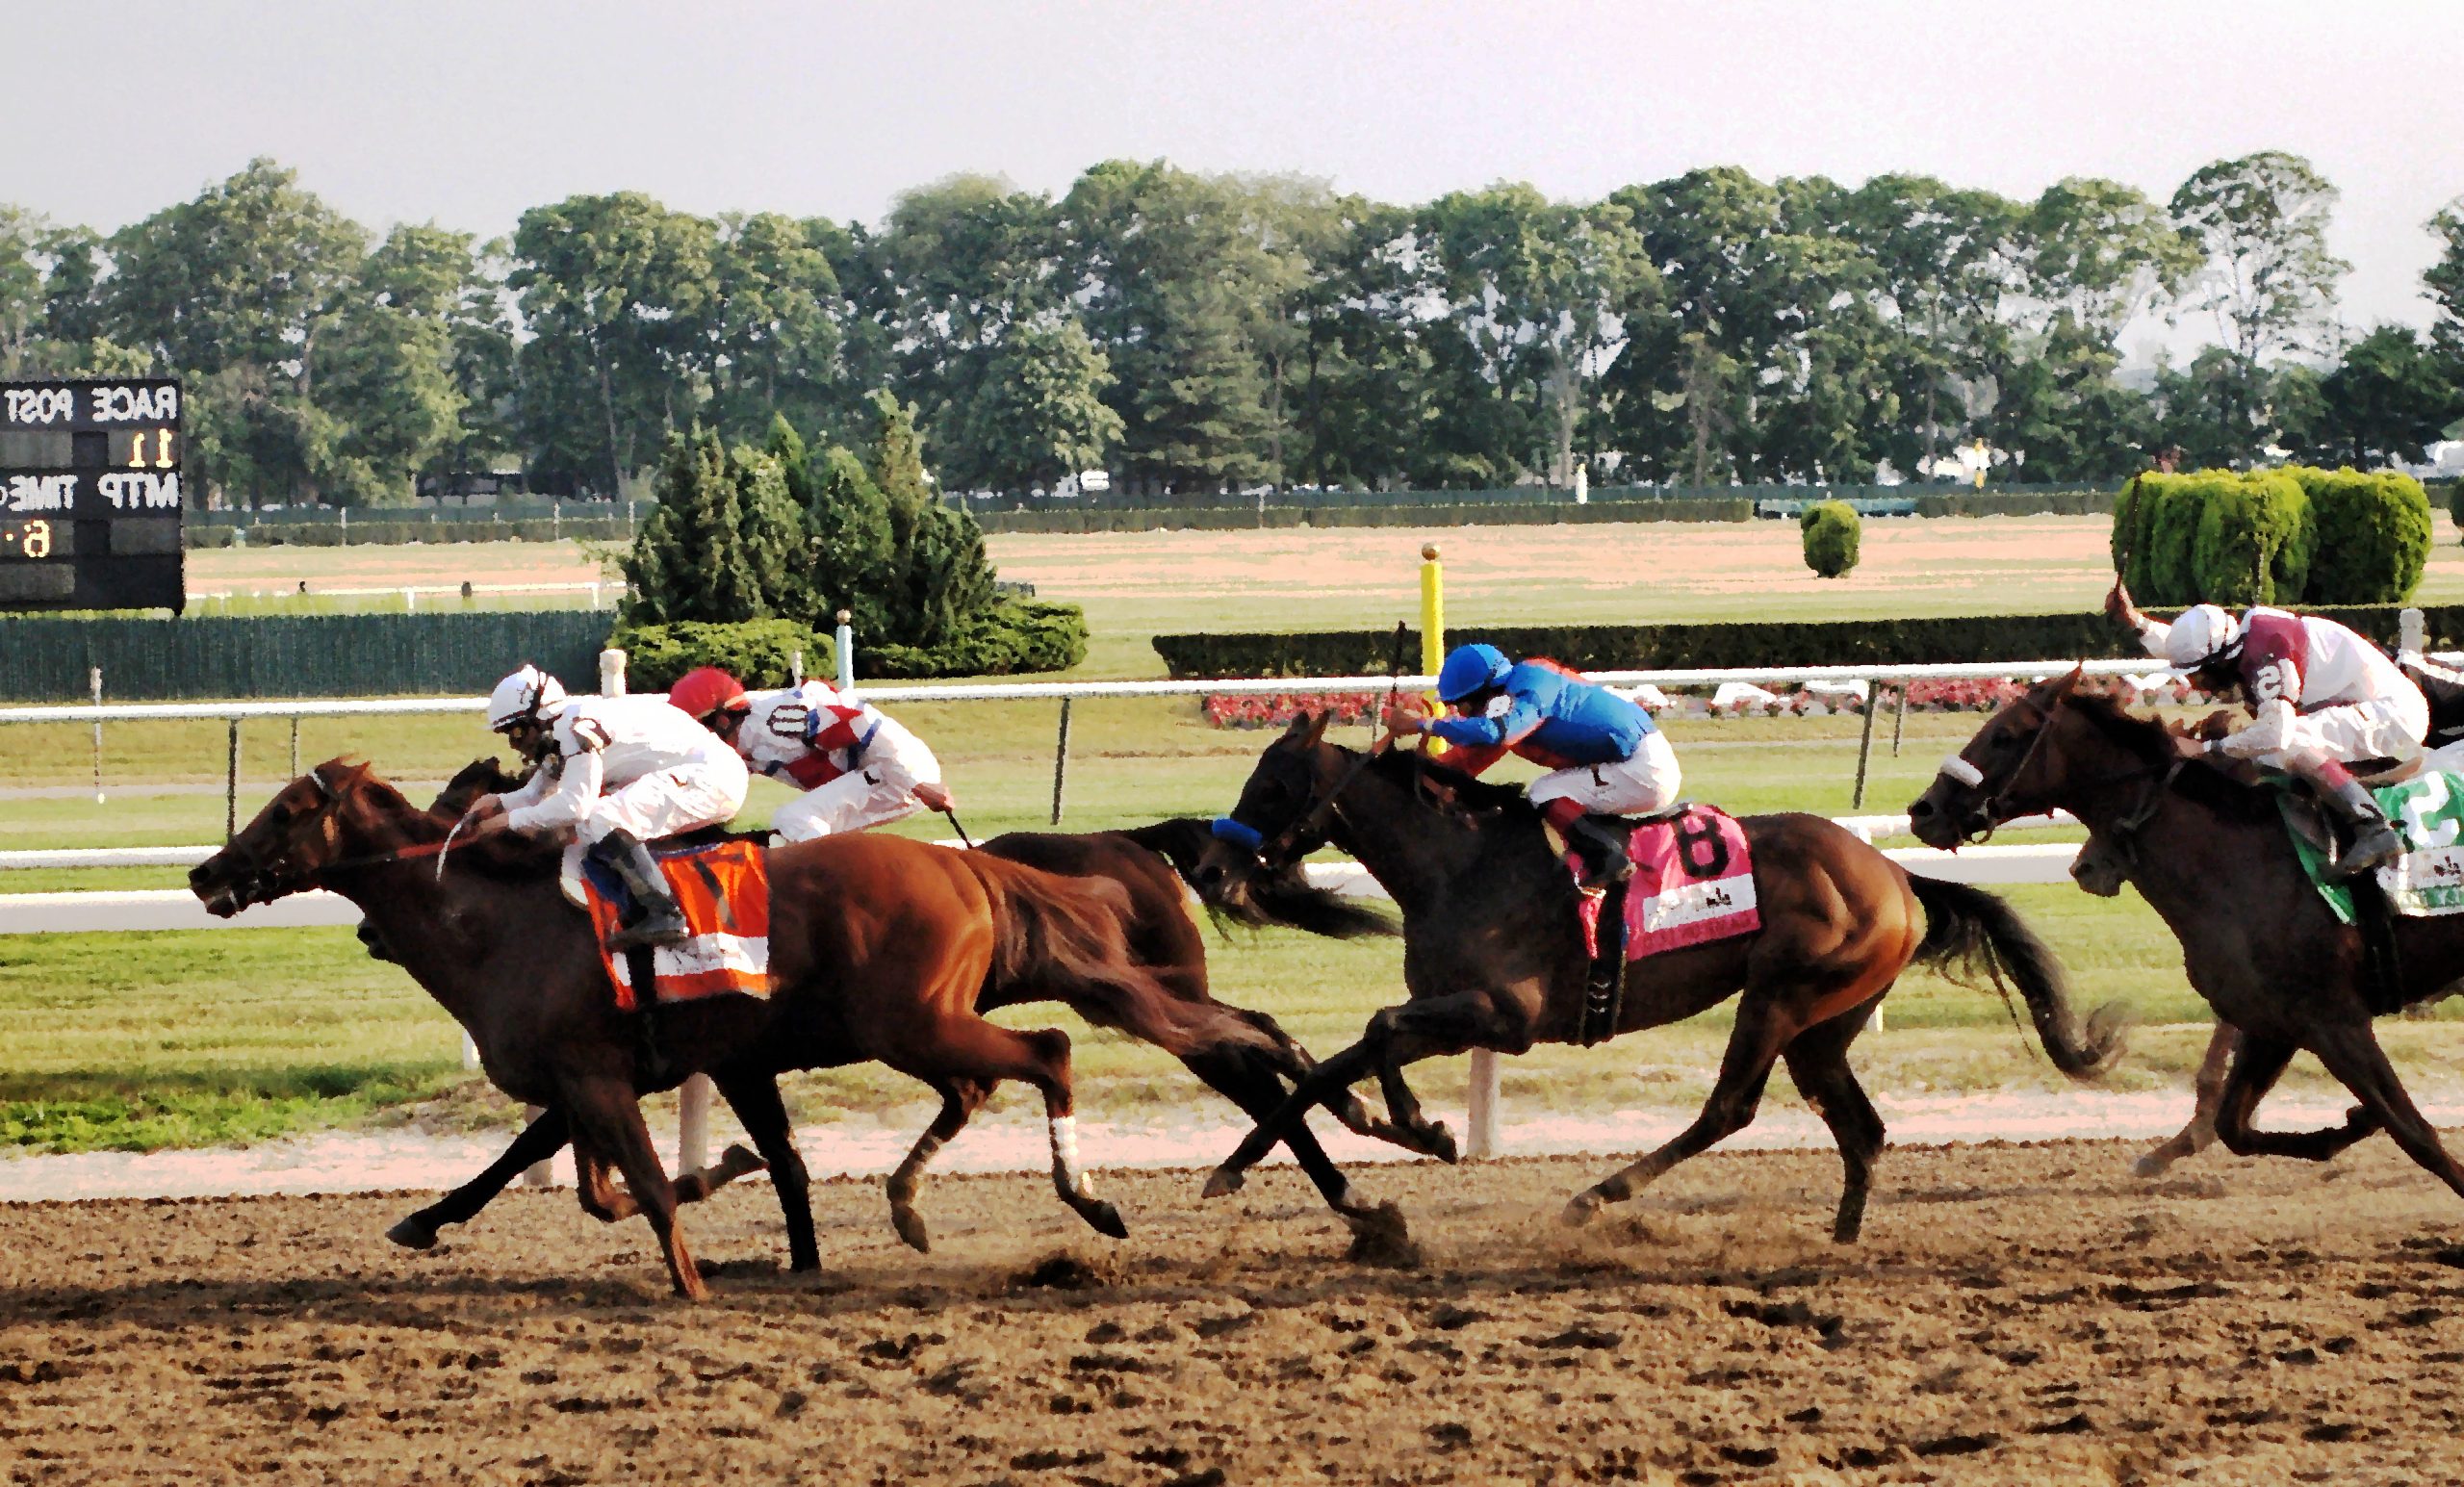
point(1275, 709)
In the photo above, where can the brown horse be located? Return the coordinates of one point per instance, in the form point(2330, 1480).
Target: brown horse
point(1492, 957)
point(880, 948)
point(1150, 862)
point(2212, 857)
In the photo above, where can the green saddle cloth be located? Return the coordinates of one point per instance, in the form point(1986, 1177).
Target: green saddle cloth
point(2428, 812)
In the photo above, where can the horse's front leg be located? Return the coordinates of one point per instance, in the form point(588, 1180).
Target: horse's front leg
point(1397, 1037)
point(2207, 1088)
point(540, 1140)
point(2257, 1063)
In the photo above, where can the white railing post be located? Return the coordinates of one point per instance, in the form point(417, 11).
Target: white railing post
point(846, 641)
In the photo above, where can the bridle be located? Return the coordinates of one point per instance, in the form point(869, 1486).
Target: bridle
point(1302, 834)
point(1994, 808)
point(263, 880)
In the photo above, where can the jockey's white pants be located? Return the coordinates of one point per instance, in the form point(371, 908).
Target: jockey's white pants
point(1636, 786)
point(669, 801)
point(2384, 728)
point(851, 803)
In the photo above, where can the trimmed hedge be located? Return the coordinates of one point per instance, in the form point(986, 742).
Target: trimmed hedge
point(1905, 642)
point(1020, 635)
point(2253, 542)
point(2372, 533)
point(1831, 531)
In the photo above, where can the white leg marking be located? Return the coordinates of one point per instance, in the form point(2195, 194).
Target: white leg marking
point(1065, 1173)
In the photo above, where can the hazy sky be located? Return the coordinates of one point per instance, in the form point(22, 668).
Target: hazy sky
point(466, 112)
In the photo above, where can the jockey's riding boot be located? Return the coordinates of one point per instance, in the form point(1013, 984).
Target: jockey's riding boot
point(1602, 851)
point(660, 922)
point(2375, 840)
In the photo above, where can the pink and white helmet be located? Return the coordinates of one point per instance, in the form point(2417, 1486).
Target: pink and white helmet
point(2197, 635)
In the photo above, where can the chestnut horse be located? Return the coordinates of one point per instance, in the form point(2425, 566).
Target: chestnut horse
point(879, 947)
point(1151, 861)
point(1493, 959)
point(2211, 856)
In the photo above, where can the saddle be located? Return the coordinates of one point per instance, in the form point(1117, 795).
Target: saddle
point(1692, 882)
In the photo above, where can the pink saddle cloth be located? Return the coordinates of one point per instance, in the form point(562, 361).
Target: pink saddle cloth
point(1693, 882)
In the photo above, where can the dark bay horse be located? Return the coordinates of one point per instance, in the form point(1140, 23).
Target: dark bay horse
point(1152, 862)
point(2211, 856)
point(881, 949)
point(1493, 959)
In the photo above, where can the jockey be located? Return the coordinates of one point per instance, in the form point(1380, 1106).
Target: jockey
point(615, 772)
point(1603, 752)
point(2321, 698)
point(857, 768)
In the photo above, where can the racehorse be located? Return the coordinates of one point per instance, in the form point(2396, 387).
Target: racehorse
point(2211, 856)
point(1152, 862)
point(881, 949)
point(1492, 957)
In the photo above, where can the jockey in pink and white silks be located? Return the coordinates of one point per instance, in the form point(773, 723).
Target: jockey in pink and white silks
point(615, 772)
point(2321, 698)
point(858, 768)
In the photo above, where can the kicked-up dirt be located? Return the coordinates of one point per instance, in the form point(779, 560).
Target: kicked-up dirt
point(2015, 1313)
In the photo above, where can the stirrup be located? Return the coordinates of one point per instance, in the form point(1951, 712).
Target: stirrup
point(2353, 861)
point(652, 930)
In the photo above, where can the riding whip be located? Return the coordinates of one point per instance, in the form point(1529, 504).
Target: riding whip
point(953, 814)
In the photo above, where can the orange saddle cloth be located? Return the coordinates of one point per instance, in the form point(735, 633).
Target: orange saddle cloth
point(725, 893)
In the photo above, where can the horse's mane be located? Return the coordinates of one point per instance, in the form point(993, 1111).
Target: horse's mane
point(504, 856)
point(1468, 795)
point(2152, 738)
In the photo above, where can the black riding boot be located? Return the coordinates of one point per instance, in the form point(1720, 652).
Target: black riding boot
point(660, 922)
point(1602, 844)
point(2375, 840)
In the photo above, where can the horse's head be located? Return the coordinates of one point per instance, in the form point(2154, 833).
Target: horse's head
point(2006, 770)
point(298, 835)
point(1281, 815)
point(480, 777)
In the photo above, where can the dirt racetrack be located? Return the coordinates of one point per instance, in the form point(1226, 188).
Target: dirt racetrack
point(2016, 1314)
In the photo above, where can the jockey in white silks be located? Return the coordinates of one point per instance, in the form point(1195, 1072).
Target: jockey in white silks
point(857, 768)
point(615, 773)
point(2321, 698)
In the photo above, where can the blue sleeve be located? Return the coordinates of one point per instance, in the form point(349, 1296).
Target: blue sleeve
point(1491, 732)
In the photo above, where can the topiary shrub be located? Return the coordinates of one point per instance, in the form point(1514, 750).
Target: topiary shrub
point(2374, 534)
point(2163, 567)
point(2254, 538)
point(1831, 531)
point(1010, 638)
point(757, 653)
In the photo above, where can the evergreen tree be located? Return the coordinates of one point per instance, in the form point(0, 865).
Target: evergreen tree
point(941, 579)
point(848, 539)
point(725, 543)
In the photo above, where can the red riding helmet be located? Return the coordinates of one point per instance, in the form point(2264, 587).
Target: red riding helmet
point(705, 690)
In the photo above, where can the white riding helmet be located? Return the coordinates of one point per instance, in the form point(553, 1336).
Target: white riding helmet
point(2198, 636)
point(527, 695)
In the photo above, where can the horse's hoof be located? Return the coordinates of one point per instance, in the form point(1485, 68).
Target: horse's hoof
point(1579, 1209)
point(1441, 1144)
point(412, 1234)
point(1380, 1237)
point(2153, 1163)
point(736, 1162)
point(910, 1225)
point(1223, 1182)
point(1106, 1220)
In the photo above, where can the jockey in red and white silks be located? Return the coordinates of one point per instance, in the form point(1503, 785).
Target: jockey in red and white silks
point(2320, 697)
point(858, 768)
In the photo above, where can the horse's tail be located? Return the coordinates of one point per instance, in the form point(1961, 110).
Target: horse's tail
point(1976, 937)
point(1285, 899)
point(1067, 939)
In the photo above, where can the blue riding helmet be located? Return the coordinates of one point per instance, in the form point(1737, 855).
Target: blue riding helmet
point(1470, 668)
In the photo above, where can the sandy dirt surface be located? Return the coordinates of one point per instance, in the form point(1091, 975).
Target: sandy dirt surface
point(2016, 1314)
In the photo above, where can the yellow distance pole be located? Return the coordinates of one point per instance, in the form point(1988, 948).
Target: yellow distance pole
point(1432, 622)
point(1482, 1115)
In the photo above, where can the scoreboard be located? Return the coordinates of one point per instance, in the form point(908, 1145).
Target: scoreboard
point(90, 494)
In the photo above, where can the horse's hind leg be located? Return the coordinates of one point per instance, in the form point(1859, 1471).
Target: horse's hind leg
point(1754, 1044)
point(1248, 1077)
point(961, 1099)
point(608, 1121)
point(964, 1047)
point(539, 1140)
point(1292, 1063)
point(2207, 1088)
point(1818, 1064)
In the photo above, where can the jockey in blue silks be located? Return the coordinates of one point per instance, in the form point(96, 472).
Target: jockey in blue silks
point(1603, 752)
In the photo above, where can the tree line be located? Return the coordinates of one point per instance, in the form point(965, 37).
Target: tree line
point(1209, 333)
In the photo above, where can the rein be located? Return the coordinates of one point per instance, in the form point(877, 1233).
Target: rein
point(2125, 833)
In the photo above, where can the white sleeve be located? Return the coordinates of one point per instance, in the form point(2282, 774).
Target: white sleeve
point(2267, 736)
point(530, 793)
point(898, 758)
point(2152, 633)
point(577, 790)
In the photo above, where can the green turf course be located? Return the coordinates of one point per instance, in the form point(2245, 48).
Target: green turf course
point(173, 1040)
